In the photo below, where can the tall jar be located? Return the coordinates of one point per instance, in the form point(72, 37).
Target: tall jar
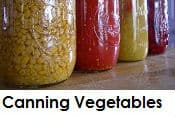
point(134, 30)
point(98, 34)
point(41, 41)
point(158, 26)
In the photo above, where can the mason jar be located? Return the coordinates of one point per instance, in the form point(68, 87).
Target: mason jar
point(41, 41)
point(158, 26)
point(98, 34)
point(134, 30)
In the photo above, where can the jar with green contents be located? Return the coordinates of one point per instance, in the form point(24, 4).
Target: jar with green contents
point(134, 30)
point(41, 41)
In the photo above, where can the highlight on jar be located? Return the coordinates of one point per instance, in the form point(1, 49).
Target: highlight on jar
point(39, 44)
point(134, 30)
point(98, 34)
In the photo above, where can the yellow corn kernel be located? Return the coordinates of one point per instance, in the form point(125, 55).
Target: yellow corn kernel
point(40, 61)
point(25, 60)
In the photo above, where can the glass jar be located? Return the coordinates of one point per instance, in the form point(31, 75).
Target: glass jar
point(41, 41)
point(134, 30)
point(98, 32)
point(158, 26)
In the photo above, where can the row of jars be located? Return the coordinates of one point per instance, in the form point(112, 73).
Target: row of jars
point(41, 40)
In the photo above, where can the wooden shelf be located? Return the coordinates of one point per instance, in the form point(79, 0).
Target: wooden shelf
point(156, 72)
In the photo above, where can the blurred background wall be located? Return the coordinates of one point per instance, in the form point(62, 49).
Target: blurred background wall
point(171, 10)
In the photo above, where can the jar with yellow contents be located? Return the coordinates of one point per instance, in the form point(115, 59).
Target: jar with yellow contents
point(41, 41)
point(134, 30)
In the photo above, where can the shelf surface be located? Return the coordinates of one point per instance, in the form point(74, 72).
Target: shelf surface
point(155, 72)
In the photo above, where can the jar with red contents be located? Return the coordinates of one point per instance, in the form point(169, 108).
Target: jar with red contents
point(158, 26)
point(98, 34)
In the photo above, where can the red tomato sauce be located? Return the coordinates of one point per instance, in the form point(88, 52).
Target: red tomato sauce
point(98, 34)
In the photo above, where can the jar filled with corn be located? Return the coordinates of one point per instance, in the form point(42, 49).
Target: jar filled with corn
point(39, 41)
